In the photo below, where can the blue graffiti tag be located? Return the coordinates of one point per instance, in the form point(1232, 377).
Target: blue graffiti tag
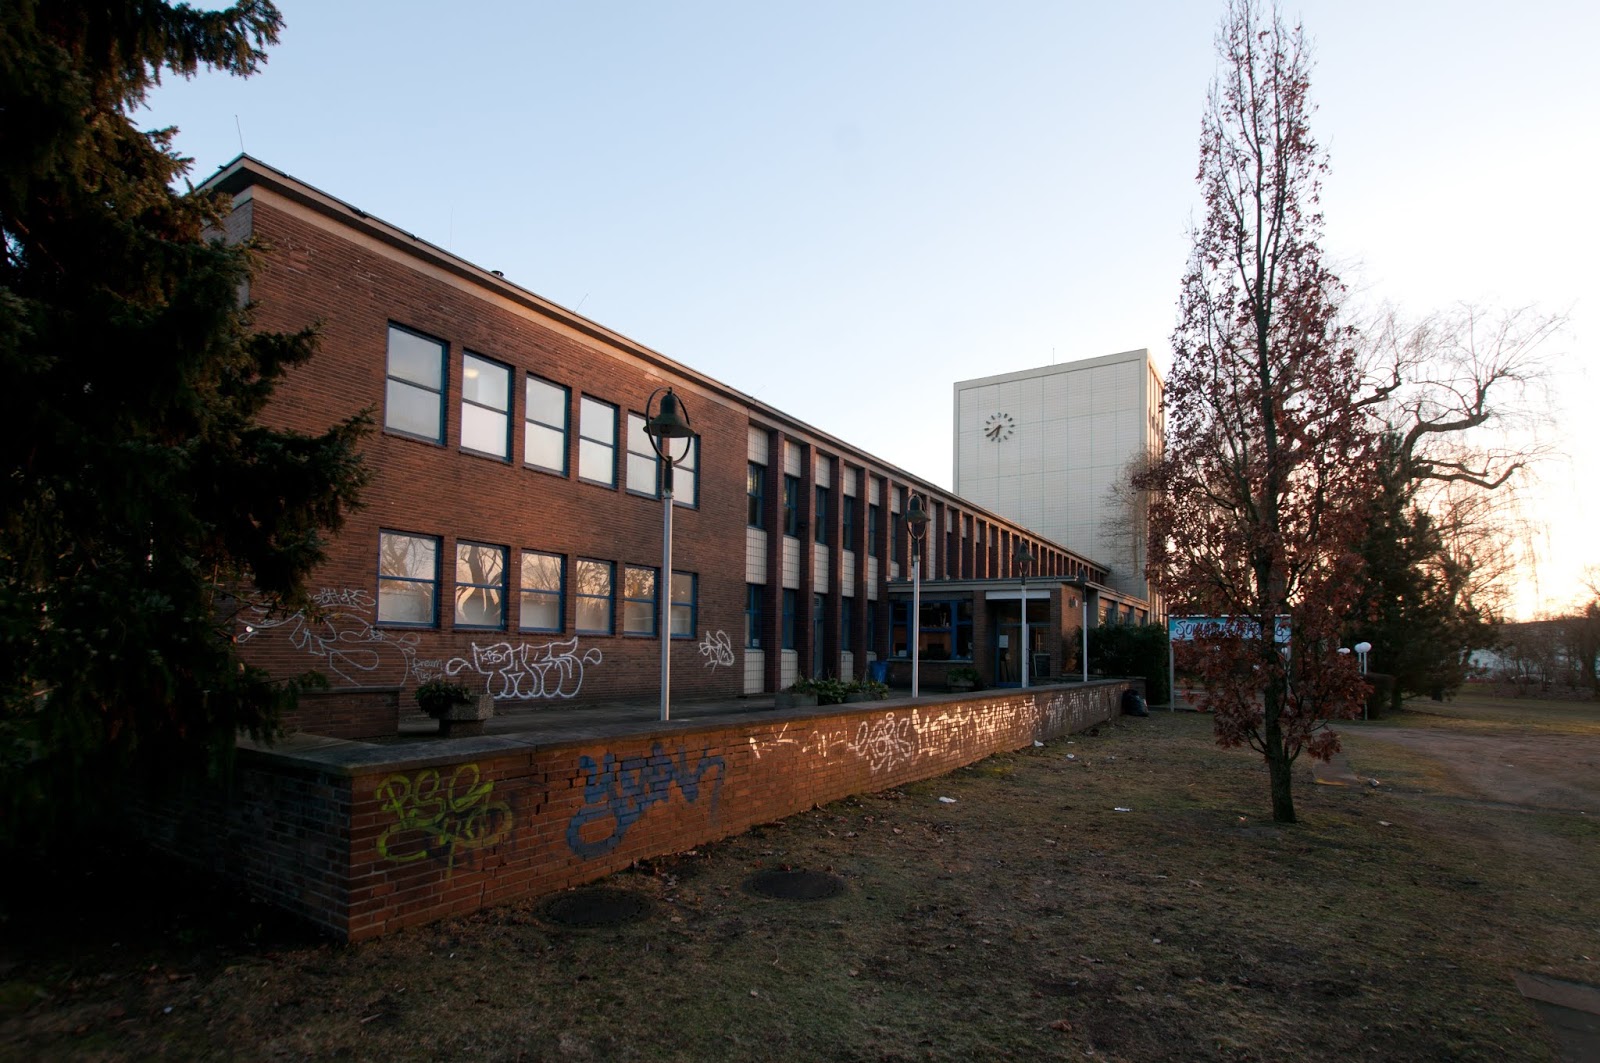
point(623, 790)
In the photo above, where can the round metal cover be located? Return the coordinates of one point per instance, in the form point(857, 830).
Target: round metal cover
point(796, 885)
point(604, 906)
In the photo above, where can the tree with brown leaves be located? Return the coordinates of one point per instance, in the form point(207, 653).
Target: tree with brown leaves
point(1260, 500)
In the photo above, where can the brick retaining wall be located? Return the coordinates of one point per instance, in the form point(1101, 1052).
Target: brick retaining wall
point(364, 839)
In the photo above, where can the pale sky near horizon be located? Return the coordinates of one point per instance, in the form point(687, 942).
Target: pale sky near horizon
point(842, 209)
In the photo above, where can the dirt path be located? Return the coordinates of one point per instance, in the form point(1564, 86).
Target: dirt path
point(1547, 772)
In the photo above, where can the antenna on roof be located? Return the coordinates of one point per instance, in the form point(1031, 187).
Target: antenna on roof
point(240, 130)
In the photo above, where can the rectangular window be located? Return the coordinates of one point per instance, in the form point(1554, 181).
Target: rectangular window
point(791, 605)
point(408, 579)
point(480, 585)
point(819, 517)
point(756, 488)
point(597, 441)
point(872, 627)
point(897, 525)
point(642, 459)
point(753, 620)
point(686, 473)
point(874, 525)
point(847, 625)
point(791, 506)
point(847, 522)
point(638, 600)
point(592, 589)
point(414, 391)
point(485, 406)
point(544, 592)
point(944, 633)
point(819, 612)
point(544, 444)
point(685, 592)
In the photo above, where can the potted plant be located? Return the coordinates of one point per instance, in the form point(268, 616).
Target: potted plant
point(453, 704)
point(831, 691)
point(963, 677)
point(866, 690)
point(802, 692)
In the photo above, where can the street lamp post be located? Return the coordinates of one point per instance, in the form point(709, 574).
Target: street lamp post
point(1024, 558)
point(916, 524)
point(670, 421)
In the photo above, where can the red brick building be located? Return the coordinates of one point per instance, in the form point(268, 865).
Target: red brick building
point(511, 537)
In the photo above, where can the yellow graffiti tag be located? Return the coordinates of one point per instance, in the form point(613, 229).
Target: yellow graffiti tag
point(435, 817)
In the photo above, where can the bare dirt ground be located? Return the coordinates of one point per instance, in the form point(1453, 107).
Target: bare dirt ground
point(1546, 772)
point(1120, 895)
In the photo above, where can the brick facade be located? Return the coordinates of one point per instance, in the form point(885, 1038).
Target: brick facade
point(328, 265)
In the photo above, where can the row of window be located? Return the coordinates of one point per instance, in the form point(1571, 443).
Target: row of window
point(409, 587)
point(756, 511)
point(414, 405)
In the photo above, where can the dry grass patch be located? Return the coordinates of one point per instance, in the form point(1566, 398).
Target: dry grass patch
point(1029, 919)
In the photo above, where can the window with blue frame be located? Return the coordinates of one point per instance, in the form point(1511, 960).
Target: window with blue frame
point(480, 586)
point(756, 489)
point(638, 600)
point(597, 441)
point(944, 633)
point(847, 522)
point(819, 612)
point(685, 604)
point(592, 591)
point(544, 440)
point(872, 627)
point(408, 579)
point(543, 592)
point(791, 506)
point(753, 619)
point(874, 525)
point(413, 401)
point(819, 516)
point(847, 624)
point(791, 606)
point(485, 406)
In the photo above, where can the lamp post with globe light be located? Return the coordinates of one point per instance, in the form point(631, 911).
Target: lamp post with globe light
point(670, 421)
point(1024, 558)
point(916, 524)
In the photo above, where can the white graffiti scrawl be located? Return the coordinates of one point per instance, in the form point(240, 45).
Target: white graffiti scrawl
point(885, 744)
point(339, 631)
point(717, 649)
point(524, 672)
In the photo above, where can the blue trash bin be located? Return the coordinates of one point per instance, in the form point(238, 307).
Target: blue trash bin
point(878, 671)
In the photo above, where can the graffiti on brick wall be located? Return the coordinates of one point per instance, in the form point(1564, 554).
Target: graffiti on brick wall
point(617, 792)
point(339, 630)
point(524, 671)
point(717, 649)
point(441, 818)
point(885, 744)
point(898, 740)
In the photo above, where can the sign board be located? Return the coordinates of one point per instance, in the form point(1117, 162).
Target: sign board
point(1189, 628)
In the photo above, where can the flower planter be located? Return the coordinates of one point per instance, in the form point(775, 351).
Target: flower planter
point(856, 696)
point(466, 718)
point(788, 699)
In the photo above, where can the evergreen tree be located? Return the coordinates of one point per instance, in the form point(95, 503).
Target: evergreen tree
point(1416, 608)
point(139, 488)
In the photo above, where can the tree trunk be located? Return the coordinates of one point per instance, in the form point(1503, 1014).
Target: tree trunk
point(1279, 768)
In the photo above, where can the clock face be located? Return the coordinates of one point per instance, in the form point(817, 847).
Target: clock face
point(998, 427)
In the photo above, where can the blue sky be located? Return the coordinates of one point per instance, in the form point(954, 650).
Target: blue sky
point(842, 209)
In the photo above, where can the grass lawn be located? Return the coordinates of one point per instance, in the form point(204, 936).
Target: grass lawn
point(1120, 895)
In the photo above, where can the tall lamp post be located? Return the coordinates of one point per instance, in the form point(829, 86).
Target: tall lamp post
point(669, 421)
point(1024, 558)
point(916, 524)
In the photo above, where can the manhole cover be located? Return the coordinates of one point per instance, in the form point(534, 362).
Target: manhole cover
point(597, 907)
point(796, 885)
